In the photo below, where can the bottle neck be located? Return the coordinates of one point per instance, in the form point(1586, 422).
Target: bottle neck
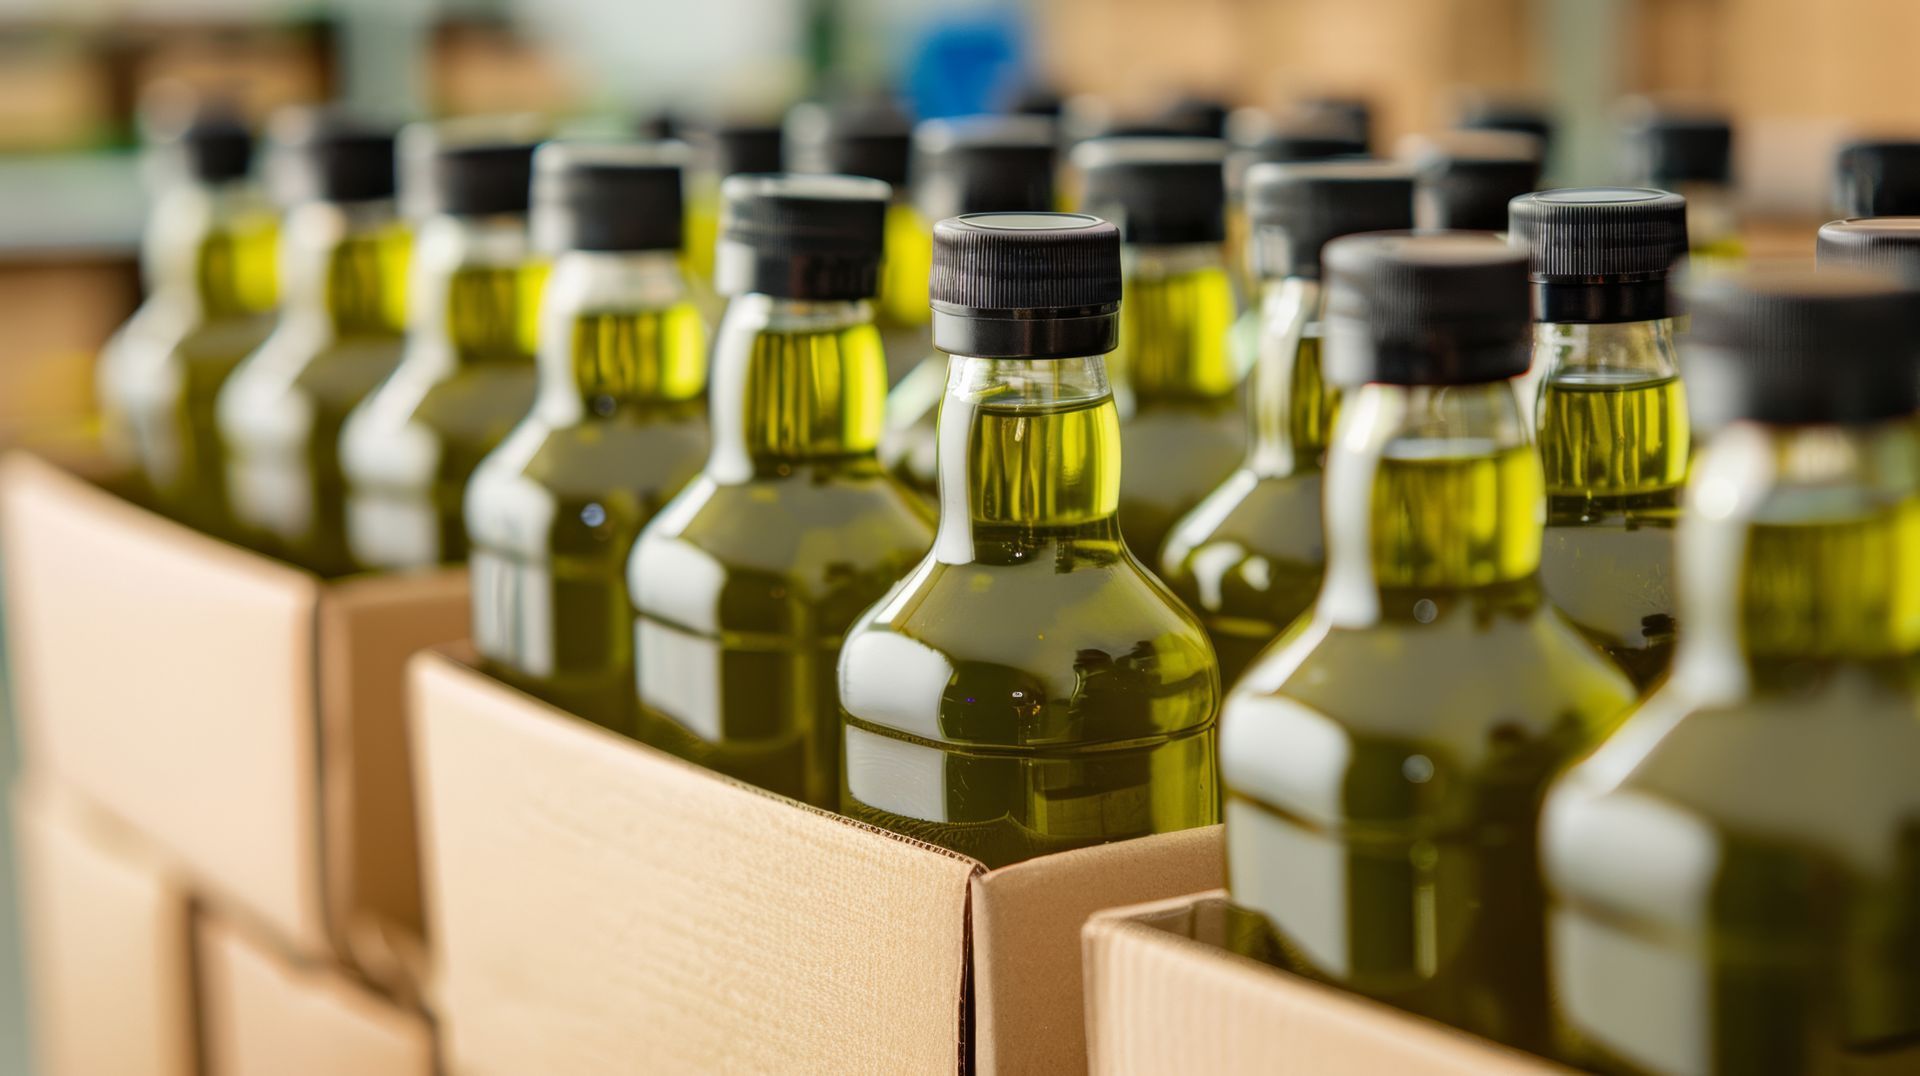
point(1292, 405)
point(1029, 453)
point(1610, 414)
point(1174, 325)
point(346, 266)
point(1429, 489)
point(475, 290)
point(212, 250)
point(619, 337)
point(1798, 543)
point(794, 383)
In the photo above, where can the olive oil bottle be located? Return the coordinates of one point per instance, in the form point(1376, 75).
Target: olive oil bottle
point(875, 140)
point(618, 426)
point(1181, 420)
point(727, 148)
point(466, 373)
point(1464, 179)
point(208, 258)
point(1735, 875)
point(1889, 245)
point(1030, 687)
point(988, 164)
point(1611, 414)
point(1248, 558)
point(1689, 152)
point(745, 583)
point(343, 255)
point(1384, 761)
point(1877, 179)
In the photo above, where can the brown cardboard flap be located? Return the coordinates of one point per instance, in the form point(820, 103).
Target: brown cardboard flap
point(1030, 1016)
point(369, 627)
point(1162, 997)
point(107, 940)
point(264, 1015)
point(152, 667)
point(599, 907)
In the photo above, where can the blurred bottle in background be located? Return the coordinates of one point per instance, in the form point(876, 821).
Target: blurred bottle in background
point(724, 148)
point(1689, 152)
point(1464, 179)
point(1877, 179)
point(1889, 245)
point(466, 375)
point(343, 258)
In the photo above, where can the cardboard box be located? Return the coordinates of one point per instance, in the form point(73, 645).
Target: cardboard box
point(1164, 997)
point(600, 907)
point(261, 1013)
point(107, 933)
point(241, 714)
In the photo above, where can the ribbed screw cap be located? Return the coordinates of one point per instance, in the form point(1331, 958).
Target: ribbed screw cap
point(1877, 179)
point(874, 140)
point(608, 196)
point(1600, 254)
point(1880, 244)
point(1159, 190)
point(329, 155)
point(1297, 209)
point(1440, 308)
point(1792, 346)
point(1465, 179)
point(984, 164)
point(801, 236)
point(1025, 285)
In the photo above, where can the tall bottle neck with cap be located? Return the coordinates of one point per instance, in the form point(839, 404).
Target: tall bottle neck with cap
point(619, 337)
point(474, 291)
point(1174, 324)
point(796, 382)
point(345, 264)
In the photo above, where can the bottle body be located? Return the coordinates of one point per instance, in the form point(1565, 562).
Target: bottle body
point(1735, 874)
point(1248, 558)
point(744, 584)
point(1384, 761)
point(1182, 429)
point(465, 379)
point(1029, 688)
point(282, 411)
point(618, 427)
point(1614, 445)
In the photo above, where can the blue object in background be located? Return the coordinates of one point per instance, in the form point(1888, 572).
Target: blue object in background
point(963, 66)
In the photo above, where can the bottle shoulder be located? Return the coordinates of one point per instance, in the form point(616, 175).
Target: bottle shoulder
point(1272, 518)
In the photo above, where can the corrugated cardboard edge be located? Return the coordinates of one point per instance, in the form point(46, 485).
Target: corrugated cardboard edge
point(264, 1015)
point(107, 934)
point(368, 627)
point(1160, 1001)
point(177, 685)
point(1027, 950)
point(535, 827)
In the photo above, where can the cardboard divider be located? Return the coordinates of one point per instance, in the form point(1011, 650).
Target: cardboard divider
point(600, 907)
point(243, 715)
point(261, 1013)
point(1163, 996)
point(108, 940)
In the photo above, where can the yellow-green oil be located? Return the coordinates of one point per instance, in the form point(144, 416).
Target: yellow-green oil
point(1385, 761)
point(902, 312)
point(283, 410)
point(745, 584)
point(1736, 874)
point(1030, 688)
point(460, 388)
point(1248, 558)
point(1185, 430)
point(554, 511)
point(1614, 444)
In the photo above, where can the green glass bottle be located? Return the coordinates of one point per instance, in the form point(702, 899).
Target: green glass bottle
point(1463, 180)
point(1384, 761)
point(343, 266)
point(986, 164)
point(1181, 423)
point(1610, 411)
point(617, 428)
point(1248, 558)
point(209, 262)
point(1735, 874)
point(745, 583)
point(1030, 687)
point(1689, 152)
point(466, 373)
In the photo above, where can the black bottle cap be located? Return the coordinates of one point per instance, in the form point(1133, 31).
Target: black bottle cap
point(1888, 245)
point(1666, 149)
point(1296, 209)
point(983, 164)
point(1026, 285)
point(1198, 117)
point(801, 236)
point(874, 140)
point(327, 155)
point(475, 167)
point(1439, 308)
point(1877, 179)
point(205, 141)
point(1790, 346)
point(743, 146)
point(1159, 190)
point(607, 196)
point(1288, 145)
point(1600, 254)
point(1502, 114)
point(1350, 115)
point(1465, 179)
